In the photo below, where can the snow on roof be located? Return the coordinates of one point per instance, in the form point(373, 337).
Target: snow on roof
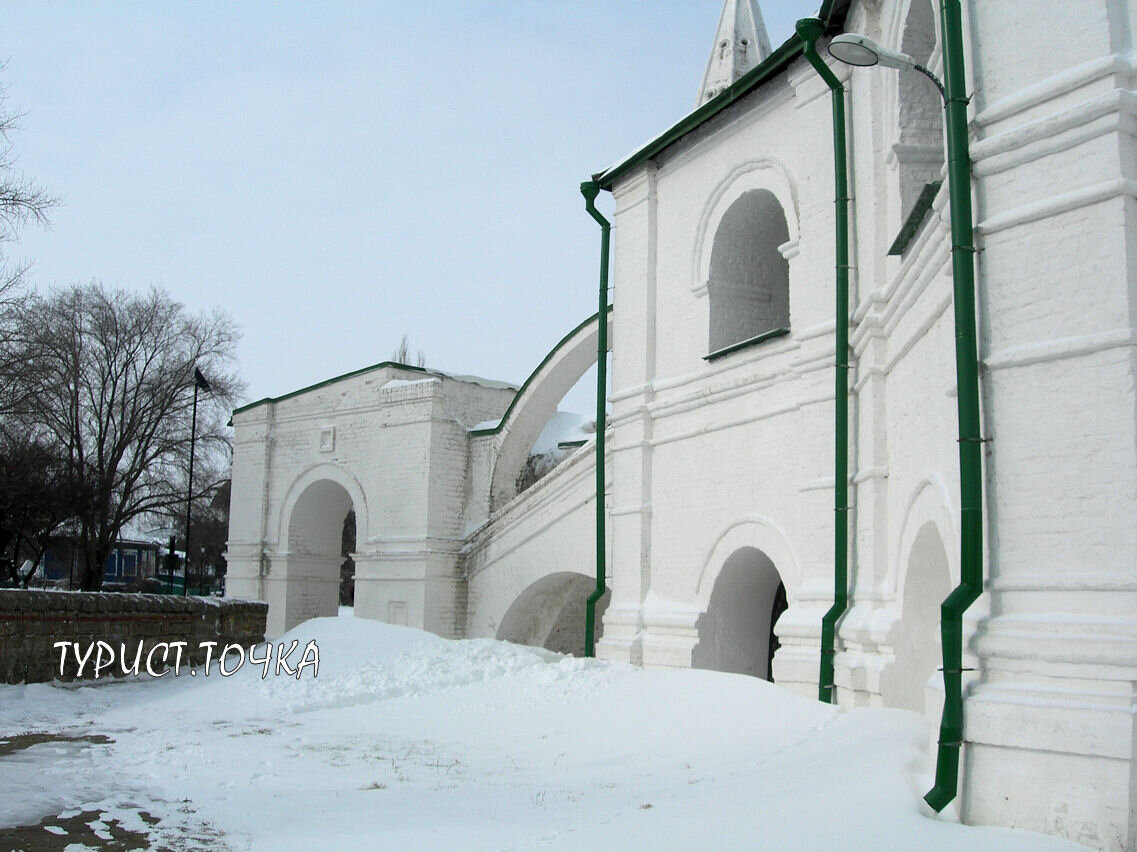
point(402, 383)
point(564, 427)
point(478, 380)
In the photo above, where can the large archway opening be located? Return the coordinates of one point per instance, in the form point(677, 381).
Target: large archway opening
point(570, 426)
point(550, 614)
point(321, 523)
point(916, 645)
point(737, 632)
point(749, 281)
point(531, 427)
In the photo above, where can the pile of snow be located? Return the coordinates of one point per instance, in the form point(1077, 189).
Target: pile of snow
point(407, 741)
point(406, 383)
point(564, 427)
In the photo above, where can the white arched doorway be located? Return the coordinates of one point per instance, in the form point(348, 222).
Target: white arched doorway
point(303, 579)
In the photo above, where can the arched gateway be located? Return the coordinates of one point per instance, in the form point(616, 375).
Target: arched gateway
point(420, 456)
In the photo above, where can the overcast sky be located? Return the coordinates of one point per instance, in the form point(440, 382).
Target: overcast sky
point(336, 174)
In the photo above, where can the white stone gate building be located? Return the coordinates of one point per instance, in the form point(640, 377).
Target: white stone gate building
point(720, 443)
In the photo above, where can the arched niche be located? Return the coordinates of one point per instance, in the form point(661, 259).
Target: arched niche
point(919, 147)
point(746, 236)
point(916, 637)
point(748, 283)
point(926, 568)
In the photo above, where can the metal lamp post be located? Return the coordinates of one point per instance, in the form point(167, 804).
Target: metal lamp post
point(859, 50)
point(199, 383)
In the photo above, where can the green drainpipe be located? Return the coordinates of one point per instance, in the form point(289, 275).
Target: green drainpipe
point(967, 401)
point(809, 30)
point(590, 189)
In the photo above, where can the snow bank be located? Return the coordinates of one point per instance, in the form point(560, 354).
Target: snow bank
point(408, 741)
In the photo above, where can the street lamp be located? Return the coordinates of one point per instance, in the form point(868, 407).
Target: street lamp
point(862, 51)
point(199, 383)
point(859, 50)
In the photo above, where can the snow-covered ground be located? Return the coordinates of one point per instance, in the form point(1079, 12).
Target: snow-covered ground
point(408, 741)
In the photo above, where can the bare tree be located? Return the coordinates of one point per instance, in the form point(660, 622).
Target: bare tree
point(21, 201)
point(108, 377)
point(37, 499)
point(32, 502)
point(402, 354)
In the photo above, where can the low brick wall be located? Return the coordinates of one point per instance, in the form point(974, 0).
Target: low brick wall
point(31, 622)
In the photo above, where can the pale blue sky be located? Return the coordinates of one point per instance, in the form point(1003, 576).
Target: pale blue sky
point(335, 174)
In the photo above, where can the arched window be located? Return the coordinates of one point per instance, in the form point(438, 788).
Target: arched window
point(920, 147)
point(749, 282)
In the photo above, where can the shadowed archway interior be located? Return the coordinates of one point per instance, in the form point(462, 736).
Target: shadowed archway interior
point(736, 633)
point(550, 614)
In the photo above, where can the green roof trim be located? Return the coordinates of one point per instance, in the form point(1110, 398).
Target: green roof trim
point(493, 430)
point(915, 218)
point(832, 12)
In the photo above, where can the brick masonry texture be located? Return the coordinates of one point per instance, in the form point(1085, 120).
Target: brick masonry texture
point(31, 622)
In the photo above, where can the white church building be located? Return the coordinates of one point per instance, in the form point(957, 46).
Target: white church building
point(727, 513)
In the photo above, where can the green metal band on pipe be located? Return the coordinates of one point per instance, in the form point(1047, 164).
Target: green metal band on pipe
point(590, 189)
point(809, 30)
point(967, 382)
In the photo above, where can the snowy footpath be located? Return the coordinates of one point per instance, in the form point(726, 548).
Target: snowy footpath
point(407, 741)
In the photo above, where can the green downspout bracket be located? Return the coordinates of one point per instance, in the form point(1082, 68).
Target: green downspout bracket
point(967, 401)
point(809, 30)
point(590, 189)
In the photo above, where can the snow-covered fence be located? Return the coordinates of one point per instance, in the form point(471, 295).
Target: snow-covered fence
point(132, 626)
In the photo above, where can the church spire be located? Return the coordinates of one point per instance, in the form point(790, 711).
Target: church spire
point(740, 44)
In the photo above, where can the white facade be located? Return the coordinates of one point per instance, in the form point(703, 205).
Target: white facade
point(720, 470)
point(389, 442)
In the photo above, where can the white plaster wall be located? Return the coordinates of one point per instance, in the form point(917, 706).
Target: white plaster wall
point(700, 447)
point(712, 440)
point(550, 528)
point(1055, 203)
